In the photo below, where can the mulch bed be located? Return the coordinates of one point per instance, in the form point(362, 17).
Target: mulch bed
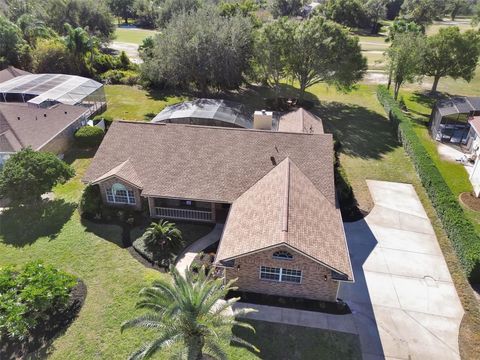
point(336, 308)
point(470, 201)
point(44, 333)
point(144, 261)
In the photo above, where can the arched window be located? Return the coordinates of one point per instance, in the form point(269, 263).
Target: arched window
point(282, 255)
point(119, 194)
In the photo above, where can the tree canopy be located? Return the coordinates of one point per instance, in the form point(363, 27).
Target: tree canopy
point(423, 12)
point(281, 8)
point(350, 13)
point(189, 312)
point(28, 174)
point(203, 49)
point(322, 51)
point(405, 57)
point(451, 53)
point(14, 50)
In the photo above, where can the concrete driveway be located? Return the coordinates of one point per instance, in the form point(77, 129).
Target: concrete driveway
point(404, 302)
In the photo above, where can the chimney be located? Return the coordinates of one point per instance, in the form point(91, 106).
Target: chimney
point(262, 120)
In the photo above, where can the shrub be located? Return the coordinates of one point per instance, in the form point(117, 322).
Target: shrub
point(91, 202)
point(89, 136)
point(30, 296)
point(459, 229)
point(124, 77)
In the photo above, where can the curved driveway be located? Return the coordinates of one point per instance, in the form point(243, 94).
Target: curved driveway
point(403, 300)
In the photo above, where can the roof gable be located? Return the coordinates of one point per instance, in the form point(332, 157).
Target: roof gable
point(124, 171)
point(285, 207)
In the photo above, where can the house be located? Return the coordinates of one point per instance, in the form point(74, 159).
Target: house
point(41, 129)
point(456, 122)
point(46, 90)
point(274, 191)
point(11, 72)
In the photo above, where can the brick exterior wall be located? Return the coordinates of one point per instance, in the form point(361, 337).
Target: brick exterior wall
point(62, 142)
point(108, 184)
point(313, 284)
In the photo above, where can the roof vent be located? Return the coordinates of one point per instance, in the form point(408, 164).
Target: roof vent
point(65, 113)
point(18, 117)
point(262, 120)
point(272, 159)
point(44, 115)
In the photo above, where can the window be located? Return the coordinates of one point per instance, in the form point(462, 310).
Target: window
point(119, 194)
point(269, 273)
point(282, 255)
point(280, 274)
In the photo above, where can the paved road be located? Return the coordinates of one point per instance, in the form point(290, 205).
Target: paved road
point(403, 300)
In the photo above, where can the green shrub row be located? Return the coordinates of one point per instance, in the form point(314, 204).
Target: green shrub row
point(459, 229)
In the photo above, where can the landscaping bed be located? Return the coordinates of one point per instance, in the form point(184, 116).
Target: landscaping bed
point(37, 315)
point(470, 201)
point(191, 232)
point(336, 308)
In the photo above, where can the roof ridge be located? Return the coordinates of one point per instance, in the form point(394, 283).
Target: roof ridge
point(286, 200)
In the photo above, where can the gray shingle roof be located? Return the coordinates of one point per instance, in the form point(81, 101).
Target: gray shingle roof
point(22, 125)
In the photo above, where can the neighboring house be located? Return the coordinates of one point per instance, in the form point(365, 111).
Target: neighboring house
point(10, 73)
point(273, 190)
point(46, 90)
point(49, 129)
point(456, 122)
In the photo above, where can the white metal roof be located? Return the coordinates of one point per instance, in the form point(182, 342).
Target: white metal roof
point(66, 89)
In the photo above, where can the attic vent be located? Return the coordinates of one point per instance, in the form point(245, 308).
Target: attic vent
point(65, 113)
point(274, 162)
point(18, 117)
point(44, 115)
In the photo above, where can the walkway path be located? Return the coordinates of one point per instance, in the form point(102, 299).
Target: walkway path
point(404, 301)
point(186, 258)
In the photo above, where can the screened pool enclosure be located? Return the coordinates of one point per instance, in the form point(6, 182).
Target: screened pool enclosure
point(46, 90)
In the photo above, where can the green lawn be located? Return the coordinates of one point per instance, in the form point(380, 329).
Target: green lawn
point(55, 234)
point(454, 173)
point(132, 103)
point(298, 343)
point(132, 35)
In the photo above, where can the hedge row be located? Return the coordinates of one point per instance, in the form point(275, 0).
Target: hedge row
point(459, 229)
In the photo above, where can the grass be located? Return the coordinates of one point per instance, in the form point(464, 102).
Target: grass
point(132, 35)
point(299, 343)
point(454, 173)
point(132, 103)
point(55, 234)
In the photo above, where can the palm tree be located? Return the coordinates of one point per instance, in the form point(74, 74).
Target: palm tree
point(189, 311)
point(163, 233)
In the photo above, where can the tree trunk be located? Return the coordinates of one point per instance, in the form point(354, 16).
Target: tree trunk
point(389, 83)
point(195, 347)
point(302, 91)
point(396, 90)
point(436, 79)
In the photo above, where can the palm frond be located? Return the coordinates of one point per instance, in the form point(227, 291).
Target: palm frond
point(146, 321)
point(245, 343)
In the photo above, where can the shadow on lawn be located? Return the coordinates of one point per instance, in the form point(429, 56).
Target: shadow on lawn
point(362, 133)
point(23, 225)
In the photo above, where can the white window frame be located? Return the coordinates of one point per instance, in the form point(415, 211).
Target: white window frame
point(113, 198)
point(281, 274)
point(282, 255)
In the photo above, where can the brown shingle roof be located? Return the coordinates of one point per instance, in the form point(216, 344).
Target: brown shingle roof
point(29, 125)
point(209, 163)
point(300, 120)
point(286, 208)
point(10, 73)
point(124, 171)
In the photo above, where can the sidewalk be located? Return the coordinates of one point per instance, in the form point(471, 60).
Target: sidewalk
point(188, 255)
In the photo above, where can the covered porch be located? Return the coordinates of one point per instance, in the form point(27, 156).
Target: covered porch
point(184, 209)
